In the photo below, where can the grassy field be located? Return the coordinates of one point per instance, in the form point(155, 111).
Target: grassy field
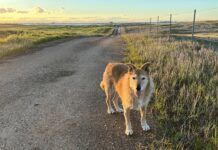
point(203, 29)
point(17, 39)
point(207, 36)
point(185, 99)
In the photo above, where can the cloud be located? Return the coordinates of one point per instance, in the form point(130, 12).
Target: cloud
point(35, 10)
point(22, 12)
point(11, 10)
point(38, 10)
point(7, 10)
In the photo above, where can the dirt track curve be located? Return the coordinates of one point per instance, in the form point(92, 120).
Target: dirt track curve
point(51, 100)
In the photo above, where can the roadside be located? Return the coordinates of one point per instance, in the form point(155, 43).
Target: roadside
point(185, 78)
point(20, 39)
point(41, 46)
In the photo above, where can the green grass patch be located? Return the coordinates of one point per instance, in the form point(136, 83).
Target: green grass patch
point(185, 98)
point(17, 39)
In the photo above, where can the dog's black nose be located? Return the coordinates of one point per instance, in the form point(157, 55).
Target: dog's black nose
point(138, 87)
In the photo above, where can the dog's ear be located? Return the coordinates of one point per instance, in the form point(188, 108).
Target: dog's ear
point(146, 66)
point(131, 67)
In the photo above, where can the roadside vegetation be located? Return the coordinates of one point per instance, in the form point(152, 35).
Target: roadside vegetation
point(185, 103)
point(17, 39)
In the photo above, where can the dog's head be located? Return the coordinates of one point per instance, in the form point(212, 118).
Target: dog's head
point(138, 78)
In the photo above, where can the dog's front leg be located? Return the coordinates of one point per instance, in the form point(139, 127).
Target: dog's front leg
point(127, 121)
point(144, 124)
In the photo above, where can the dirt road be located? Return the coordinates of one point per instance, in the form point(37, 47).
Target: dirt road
point(50, 99)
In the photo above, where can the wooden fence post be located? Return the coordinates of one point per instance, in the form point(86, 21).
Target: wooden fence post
point(193, 26)
point(170, 26)
point(150, 25)
point(157, 24)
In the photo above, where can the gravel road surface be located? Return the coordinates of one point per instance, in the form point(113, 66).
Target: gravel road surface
point(50, 99)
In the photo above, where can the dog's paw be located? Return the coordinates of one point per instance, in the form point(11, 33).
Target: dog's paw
point(145, 127)
point(120, 110)
point(110, 111)
point(129, 132)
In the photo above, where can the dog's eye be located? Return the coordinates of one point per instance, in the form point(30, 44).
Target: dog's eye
point(143, 78)
point(133, 78)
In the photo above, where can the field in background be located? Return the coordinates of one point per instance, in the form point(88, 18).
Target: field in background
point(185, 97)
point(206, 32)
point(17, 39)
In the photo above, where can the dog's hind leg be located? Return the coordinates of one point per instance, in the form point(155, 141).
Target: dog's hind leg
point(108, 92)
point(116, 105)
point(102, 85)
point(144, 124)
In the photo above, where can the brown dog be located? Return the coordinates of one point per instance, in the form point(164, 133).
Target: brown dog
point(133, 85)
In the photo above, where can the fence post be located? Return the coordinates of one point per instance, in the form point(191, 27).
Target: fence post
point(193, 26)
point(150, 25)
point(157, 24)
point(170, 26)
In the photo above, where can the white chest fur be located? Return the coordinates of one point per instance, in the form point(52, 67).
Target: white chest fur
point(138, 103)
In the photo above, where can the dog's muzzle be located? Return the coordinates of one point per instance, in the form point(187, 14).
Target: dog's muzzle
point(138, 87)
point(138, 92)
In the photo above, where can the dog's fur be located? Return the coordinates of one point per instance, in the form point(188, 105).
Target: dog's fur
point(133, 85)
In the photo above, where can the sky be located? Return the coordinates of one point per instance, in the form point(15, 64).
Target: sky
point(100, 11)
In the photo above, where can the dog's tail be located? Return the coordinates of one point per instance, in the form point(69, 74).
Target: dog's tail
point(102, 85)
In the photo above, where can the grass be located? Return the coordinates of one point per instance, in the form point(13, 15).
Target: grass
point(213, 36)
point(185, 99)
point(203, 29)
point(17, 39)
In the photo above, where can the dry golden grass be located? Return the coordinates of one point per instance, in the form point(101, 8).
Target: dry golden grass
point(185, 100)
point(213, 36)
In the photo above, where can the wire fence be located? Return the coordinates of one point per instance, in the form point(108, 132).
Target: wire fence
point(196, 29)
